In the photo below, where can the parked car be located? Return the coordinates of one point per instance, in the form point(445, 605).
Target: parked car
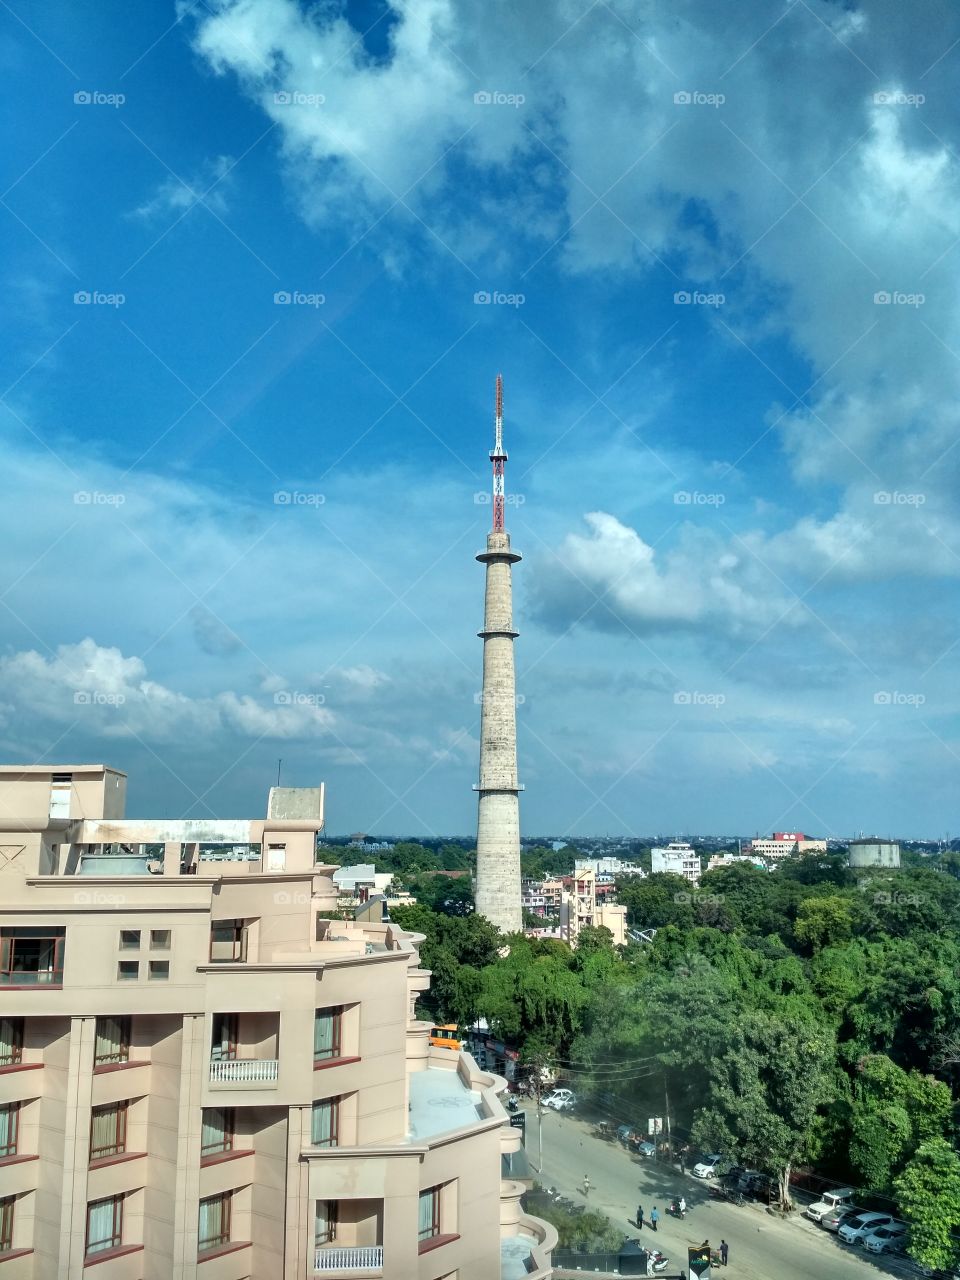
point(707, 1166)
point(860, 1225)
point(560, 1100)
point(644, 1148)
point(834, 1219)
point(841, 1198)
point(888, 1239)
point(624, 1133)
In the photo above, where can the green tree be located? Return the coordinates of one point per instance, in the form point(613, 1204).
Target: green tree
point(823, 922)
point(892, 1112)
point(928, 1193)
point(764, 1092)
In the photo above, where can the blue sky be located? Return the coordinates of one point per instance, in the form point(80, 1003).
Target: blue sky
point(733, 459)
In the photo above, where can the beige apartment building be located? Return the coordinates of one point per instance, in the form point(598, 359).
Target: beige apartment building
point(203, 1075)
point(579, 909)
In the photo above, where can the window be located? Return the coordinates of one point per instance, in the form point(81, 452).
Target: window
point(60, 789)
point(217, 1131)
point(9, 1125)
point(11, 1041)
point(228, 942)
point(159, 939)
point(29, 957)
point(108, 1131)
point(326, 1222)
point(112, 1042)
point(325, 1123)
point(224, 1043)
point(6, 1224)
point(128, 970)
point(159, 970)
point(429, 1217)
point(214, 1221)
point(104, 1225)
point(129, 939)
point(327, 1025)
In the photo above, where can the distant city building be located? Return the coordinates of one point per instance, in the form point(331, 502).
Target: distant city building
point(730, 859)
point(608, 868)
point(678, 858)
point(552, 893)
point(785, 844)
point(532, 898)
point(874, 853)
point(580, 909)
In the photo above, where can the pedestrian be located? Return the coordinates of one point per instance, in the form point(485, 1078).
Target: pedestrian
point(586, 1187)
point(683, 1207)
point(724, 1250)
point(681, 1164)
point(654, 1218)
point(639, 1217)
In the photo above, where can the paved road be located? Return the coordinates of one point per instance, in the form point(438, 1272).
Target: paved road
point(762, 1247)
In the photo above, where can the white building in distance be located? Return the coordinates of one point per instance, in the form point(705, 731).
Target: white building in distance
point(678, 858)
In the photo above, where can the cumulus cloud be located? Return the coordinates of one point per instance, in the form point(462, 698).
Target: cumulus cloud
point(611, 579)
point(99, 683)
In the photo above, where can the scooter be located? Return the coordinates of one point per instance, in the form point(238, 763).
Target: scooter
point(657, 1260)
point(673, 1208)
point(512, 1104)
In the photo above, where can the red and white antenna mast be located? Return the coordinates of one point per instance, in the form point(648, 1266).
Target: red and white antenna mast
point(498, 457)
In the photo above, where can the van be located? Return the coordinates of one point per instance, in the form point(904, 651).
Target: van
point(842, 1198)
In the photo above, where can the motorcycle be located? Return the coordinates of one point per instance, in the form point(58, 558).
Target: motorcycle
point(512, 1104)
point(723, 1191)
point(675, 1211)
point(657, 1261)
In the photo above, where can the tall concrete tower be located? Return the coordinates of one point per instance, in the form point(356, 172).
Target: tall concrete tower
point(498, 820)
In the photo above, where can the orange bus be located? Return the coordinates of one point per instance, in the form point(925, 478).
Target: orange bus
point(446, 1036)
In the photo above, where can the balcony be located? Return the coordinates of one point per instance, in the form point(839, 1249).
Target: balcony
point(244, 1071)
point(364, 1257)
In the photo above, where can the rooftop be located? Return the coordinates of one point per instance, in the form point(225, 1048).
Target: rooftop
point(440, 1102)
point(515, 1257)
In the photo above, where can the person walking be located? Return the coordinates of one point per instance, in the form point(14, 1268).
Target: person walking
point(724, 1250)
point(654, 1218)
point(586, 1187)
point(639, 1217)
point(683, 1207)
point(682, 1170)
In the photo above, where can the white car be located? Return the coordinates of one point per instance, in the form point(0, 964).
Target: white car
point(560, 1100)
point(888, 1239)
point(854, 1229)
point(707, 1167)
point(842, 1198)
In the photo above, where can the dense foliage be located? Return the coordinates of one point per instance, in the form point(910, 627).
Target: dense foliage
point(809, 1016)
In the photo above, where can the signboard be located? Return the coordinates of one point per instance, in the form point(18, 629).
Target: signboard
point(519, 1121)
point(698, 1260)
point(655, 1125)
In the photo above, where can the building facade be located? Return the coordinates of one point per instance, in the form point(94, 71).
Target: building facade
point(580, 909)
point(678, 858)
point(784, 844)
point(203, 1076)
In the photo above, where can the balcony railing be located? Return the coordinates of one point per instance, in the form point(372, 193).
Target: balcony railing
point(365, 1257)
point(244, 1071)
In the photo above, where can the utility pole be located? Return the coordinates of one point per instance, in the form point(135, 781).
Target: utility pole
point(666, 1107)
point(279, 763)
